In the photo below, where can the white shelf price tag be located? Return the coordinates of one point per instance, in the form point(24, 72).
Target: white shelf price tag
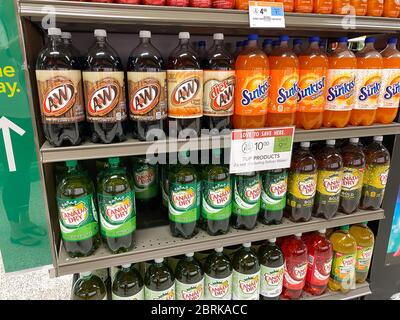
point(266, 14)
point(261, 149)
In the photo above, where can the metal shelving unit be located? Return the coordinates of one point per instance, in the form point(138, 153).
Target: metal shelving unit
point(360, 290)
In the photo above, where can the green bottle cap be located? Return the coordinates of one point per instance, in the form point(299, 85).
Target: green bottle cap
point(71, 163)
point(364, 223)
point(183, 154)
point(346, 228)
point(113, 161)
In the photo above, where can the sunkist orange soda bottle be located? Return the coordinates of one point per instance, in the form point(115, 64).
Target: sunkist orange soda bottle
point(303, 6)
point(323, 6)
point(390, 92)
point(368, 84)
point(360, 7)
point(341, 86)
point(341, 6)
point(284, 67)
point(391, 8)
point(312, 86)
point(375, 8)
point(252, 86)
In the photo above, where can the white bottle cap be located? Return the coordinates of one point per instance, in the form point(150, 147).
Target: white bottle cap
point(322, 230)
point(54, 32)
point(330, 142)
point(86, 273)
point(184, 35)
point(247, 244)
point(189, 254)
point(272, 240)
point(219, 249)
point(100, 33)
point(144, 34)
point(66, 35)
point(126, 266)
point(218, 36)
point(298, 234)
point(159, 260)
point(354, 140)
point(305, 144)
point(378, 138)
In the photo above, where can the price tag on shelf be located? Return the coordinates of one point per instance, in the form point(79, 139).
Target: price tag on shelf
point(266, 14)
point(261, 149)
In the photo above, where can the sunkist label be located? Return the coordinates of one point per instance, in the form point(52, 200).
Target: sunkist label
point(351, 183)
point(218, 98)
point(246, 197)
point(145, 184)
point(217, 198)
point(363, 258)
point(271, 281)
point(295, 275)
point(328, 186)
point(218, 289)
point(77, 218)
point(185, 93)
point(105, 96)
point(368, 86)
point(136, 296)
point(312, 87)
point(147, 95)
point(167, 294)
point(319, 270)
point(117, 214)
point(273, 192)
point(341, 89)
point(183, 202)
point(194, 291)
point(60, 94)
point(301, 189)
point(343, 267)
point(245, 286)
point(390, 91)
point(284, 90)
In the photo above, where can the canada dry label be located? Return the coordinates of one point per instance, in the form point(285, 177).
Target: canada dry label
point(183, 205)
point(217, 198)
point(301, 190)
point(136, 296)
point(218, 99)
point(375, 179)
point(145, 181)
point(341, 89)
point(60, 95)
point(343, 268)
point(363, 258)
point(247, 193)
point(245, 286)
point(295, 275)
point(194, 291)
point(390, 92)
point(319, 269)
point(312, 88)
point(117, 214)
point(273, 192)
point(77, 218)
point(167, 294)
point(328, 186)
point(218, 289)
point(147, 95)
point(105, 96)
point(352, 183)
point(271, 281)
point(185, 93)
point(368, 86)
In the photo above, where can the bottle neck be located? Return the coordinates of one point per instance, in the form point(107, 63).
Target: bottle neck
point(218, 43)
point(55, 40)
point(67, 41)
point(252, 43)
point(71, 169)
point(184, 42)
point(369, 46)
point(101, 41)
point(342, 46)
point(145, 40)
point(314, 46)
point(284, 44)
point(392, 46)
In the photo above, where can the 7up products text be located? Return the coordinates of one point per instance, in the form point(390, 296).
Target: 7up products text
point(246, 195)
point(246, 286)
point(217, 198)
point(183, 203)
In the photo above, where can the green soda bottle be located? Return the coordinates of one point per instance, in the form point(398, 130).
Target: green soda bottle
point(216, 207)
point(77, 212)
point(246, 274)
point(117, 208)
point(183, 195)
point(218, 276)
point(159, 281)
point(189, 283)
point(164, 186)
point(128, 284)
point(89, 287)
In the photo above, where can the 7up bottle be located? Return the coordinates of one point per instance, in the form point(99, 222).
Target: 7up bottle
point(246, 200)
point(117, 208)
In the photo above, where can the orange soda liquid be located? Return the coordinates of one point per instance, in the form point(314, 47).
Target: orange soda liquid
point(252, 86)
point(303, 6)
point(360, 7)
point(323, 6)
point(390, 92)
point(391, 8)
point(368, 84)
point(341, 84)
point(288, 5)
point(312, 86)
point(284, 69)
point(375, 8)
point(341, 6)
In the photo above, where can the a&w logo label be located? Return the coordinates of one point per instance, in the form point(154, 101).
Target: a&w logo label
point(185, 91)
point(119, 211)
point(146, 97)
point(74, 215)
point(249, 285)
point(59, 97)
point(221, 94)
point(104, 97)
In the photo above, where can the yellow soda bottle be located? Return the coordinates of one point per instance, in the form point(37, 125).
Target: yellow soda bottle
point(344, 260)
point(365, 246)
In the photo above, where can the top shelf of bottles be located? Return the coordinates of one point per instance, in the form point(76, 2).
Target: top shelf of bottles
point(92, 13)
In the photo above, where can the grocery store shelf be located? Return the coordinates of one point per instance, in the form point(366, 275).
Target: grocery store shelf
point(134, 147)
point(360, 290)
point(157, 242)
point(90, 13)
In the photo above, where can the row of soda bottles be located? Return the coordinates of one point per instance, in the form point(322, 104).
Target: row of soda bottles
point(319, 183)
point(375, 8)
point(268, 270)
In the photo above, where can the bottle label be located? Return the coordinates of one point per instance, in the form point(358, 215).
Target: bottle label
point(312, 88)
point(301, 190)
point(77, 218)
point(273, 193)
point(168, 294)
point(343, 268)
point(60, 95)
point(368, 86)
point(147, 95)
point(363, 259)
point(341, 89)
point(328, 186)
point(194, 291)
point(319, 270)
point(390, 92)
point(284, 90)
point(218, 289)
point(217, 197)
point(246, 196)
point(252, 92)
point(145, 181)
point(105, 96)
point(375, 178)
point(219, 86)
point(352, 183)
point(183, 202)
point(245, 286)
point(295, 277)
point(185, 93)
point(136, 296)
point(117, 214)
point(271, 281)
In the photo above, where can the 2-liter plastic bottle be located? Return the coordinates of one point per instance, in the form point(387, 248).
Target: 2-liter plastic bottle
point(189, 279)
point(127, 284)
point(159, 281)
point(89, 287)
